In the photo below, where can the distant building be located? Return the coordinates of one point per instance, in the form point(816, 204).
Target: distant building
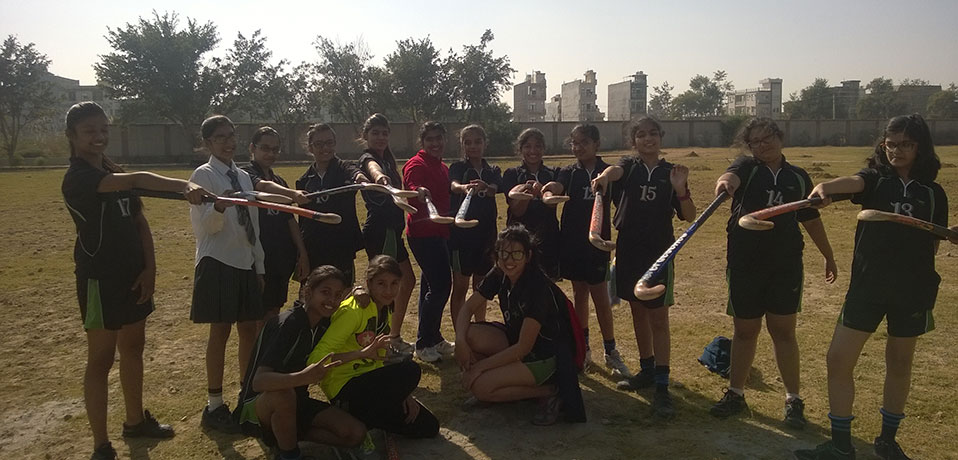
point(628, 99)
point(529, 98)
point(765, 101)
point(554, 108)
point(916, 97)
point(68, 92)
point(847, 95)
point(578, 100)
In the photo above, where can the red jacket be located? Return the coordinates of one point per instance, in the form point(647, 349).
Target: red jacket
point(424, 170)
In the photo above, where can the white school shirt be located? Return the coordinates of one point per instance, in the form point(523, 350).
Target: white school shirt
point(219, 234)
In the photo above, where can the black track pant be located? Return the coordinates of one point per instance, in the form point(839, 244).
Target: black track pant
point(376, 398)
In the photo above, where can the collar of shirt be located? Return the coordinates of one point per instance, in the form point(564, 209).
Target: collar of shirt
point(430, 160)
point(266, 174)
point(221, 167)
point(598, 162)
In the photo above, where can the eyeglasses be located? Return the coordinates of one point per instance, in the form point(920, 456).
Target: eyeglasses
point(516, 255)
point(222, 138)
point(760, 142)
point(906, 145)
point(322, 144)
point(268, 148)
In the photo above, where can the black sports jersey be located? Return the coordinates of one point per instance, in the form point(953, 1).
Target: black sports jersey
point(645, 203)
point(108, 243)
point(539, 218)
point(381, 211)
point(284, 345)
point(893, 263)
point(278, 244)
point(576, 182)
point(763, 188)
point(341, 238)
point(482, 207)
point(531, 297)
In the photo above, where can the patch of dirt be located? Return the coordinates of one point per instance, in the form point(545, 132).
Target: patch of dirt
point(699, 168)
point(822, 175)
point(947, 165)
point(44, 421)
point(692, 154)
point(820, 163)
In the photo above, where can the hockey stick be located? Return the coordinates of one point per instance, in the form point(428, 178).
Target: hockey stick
point(461, 221)
point(642, 289)
point(595, 226)
point(758, 220)
point(307, 213)
point(434, 214)
point(263, 196)
point(363, 186)
point(874, 215)
point(401, 203)
point(549, 200)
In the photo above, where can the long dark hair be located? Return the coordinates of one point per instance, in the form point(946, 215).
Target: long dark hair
point(517, 233)
point(927, 163)
point(79, 112)
point(379, 120)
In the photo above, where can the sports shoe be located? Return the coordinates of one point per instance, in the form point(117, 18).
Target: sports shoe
point(148, 428)
point(662, 405)
point(644, 379)
point(549, 408)
point(889, 450)
point(219, 419)
point(401, 346)
point(730, 404)
point(795, 413)
point(428, 354)
point(445, 348)
point(613, 360)
point(825, 451)
point(104, 452)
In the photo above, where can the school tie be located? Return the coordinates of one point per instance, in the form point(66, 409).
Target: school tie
point(242, 212)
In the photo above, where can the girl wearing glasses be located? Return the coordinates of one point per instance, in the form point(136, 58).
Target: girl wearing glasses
point(279, 233)
point(385, 222)
point(893, 277)
point(539, 218)
point(330, 244)
point(765, 270)
point(525, 356)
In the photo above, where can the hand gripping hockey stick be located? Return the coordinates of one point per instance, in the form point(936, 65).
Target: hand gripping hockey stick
point(363, 186)
point(307, 213)
point(758, 220)
point(549, 200)
point(642, 289)
point(595, 226)
point(874, 215)
point(434, 214)
point(461, 221)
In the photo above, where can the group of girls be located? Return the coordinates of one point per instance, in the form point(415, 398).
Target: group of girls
point(244, 261)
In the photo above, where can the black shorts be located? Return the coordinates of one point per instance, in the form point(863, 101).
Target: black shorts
point(385, 241)
point(631, 265)
point(752, 293)
point(110, 304)
point(306, 410)
point(275, 292)
point(321, 255)
point(584, 263)
point(472, 254)
point(225, 294)
point(865, 316)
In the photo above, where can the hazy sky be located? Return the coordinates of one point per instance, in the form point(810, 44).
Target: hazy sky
point(668, 40)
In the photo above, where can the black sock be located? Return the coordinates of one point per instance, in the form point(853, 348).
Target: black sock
point(291, 454)
point(585, 335)
point(647, 364)
point(842, 432)
point(889, 424)
point(609, 346)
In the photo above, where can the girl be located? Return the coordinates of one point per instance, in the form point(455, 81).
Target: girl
point(517, 359)
point(765, 272)
point(329, 244)
point(228, 277)
point(380, 396)
point(648, 192)
point(893, 276)
point(586, 266)
point(536, 216)
point(385, 222)
point(427, 174)
point(279, 234)
point(115, 270)
point(275, 401)
point(472, 248)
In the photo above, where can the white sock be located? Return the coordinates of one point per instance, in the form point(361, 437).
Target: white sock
point(737, 391)
point(215, 400)
point(791, 396)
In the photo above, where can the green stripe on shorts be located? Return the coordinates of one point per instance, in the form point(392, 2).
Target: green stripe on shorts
point(389, 245)
point(456, 264)
point(542, 370)
point(94, 306)
point(929, 321)
point(248, 412)
point(669, 285)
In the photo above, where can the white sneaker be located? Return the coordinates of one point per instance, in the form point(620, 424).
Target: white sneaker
point(445, 347)
point(428, 354)
point(614, 361)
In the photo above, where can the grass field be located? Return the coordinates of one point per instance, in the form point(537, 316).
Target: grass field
point(43, 350)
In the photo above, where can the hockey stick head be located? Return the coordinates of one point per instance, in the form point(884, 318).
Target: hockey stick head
point(873, 215)
point(462, 223)
point(750, 223)
point(401, 203)
point(643, 291)
point(401, 193)
point(600, 244)
point(263, 196)
point(442, 220)
point(328, 218)
point(521, 196)
point(555, 199)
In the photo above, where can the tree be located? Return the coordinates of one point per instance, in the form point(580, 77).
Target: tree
point(880, 100)
point(290, 96)
point(943, 104)
point(816, 102)
point(705, 96)
point(660, 104)
point(914, 82)
point(159, 68)
point(480, 78)
point(26, 95)
point(247, 75)
point(353, 88)
point(420, 77)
